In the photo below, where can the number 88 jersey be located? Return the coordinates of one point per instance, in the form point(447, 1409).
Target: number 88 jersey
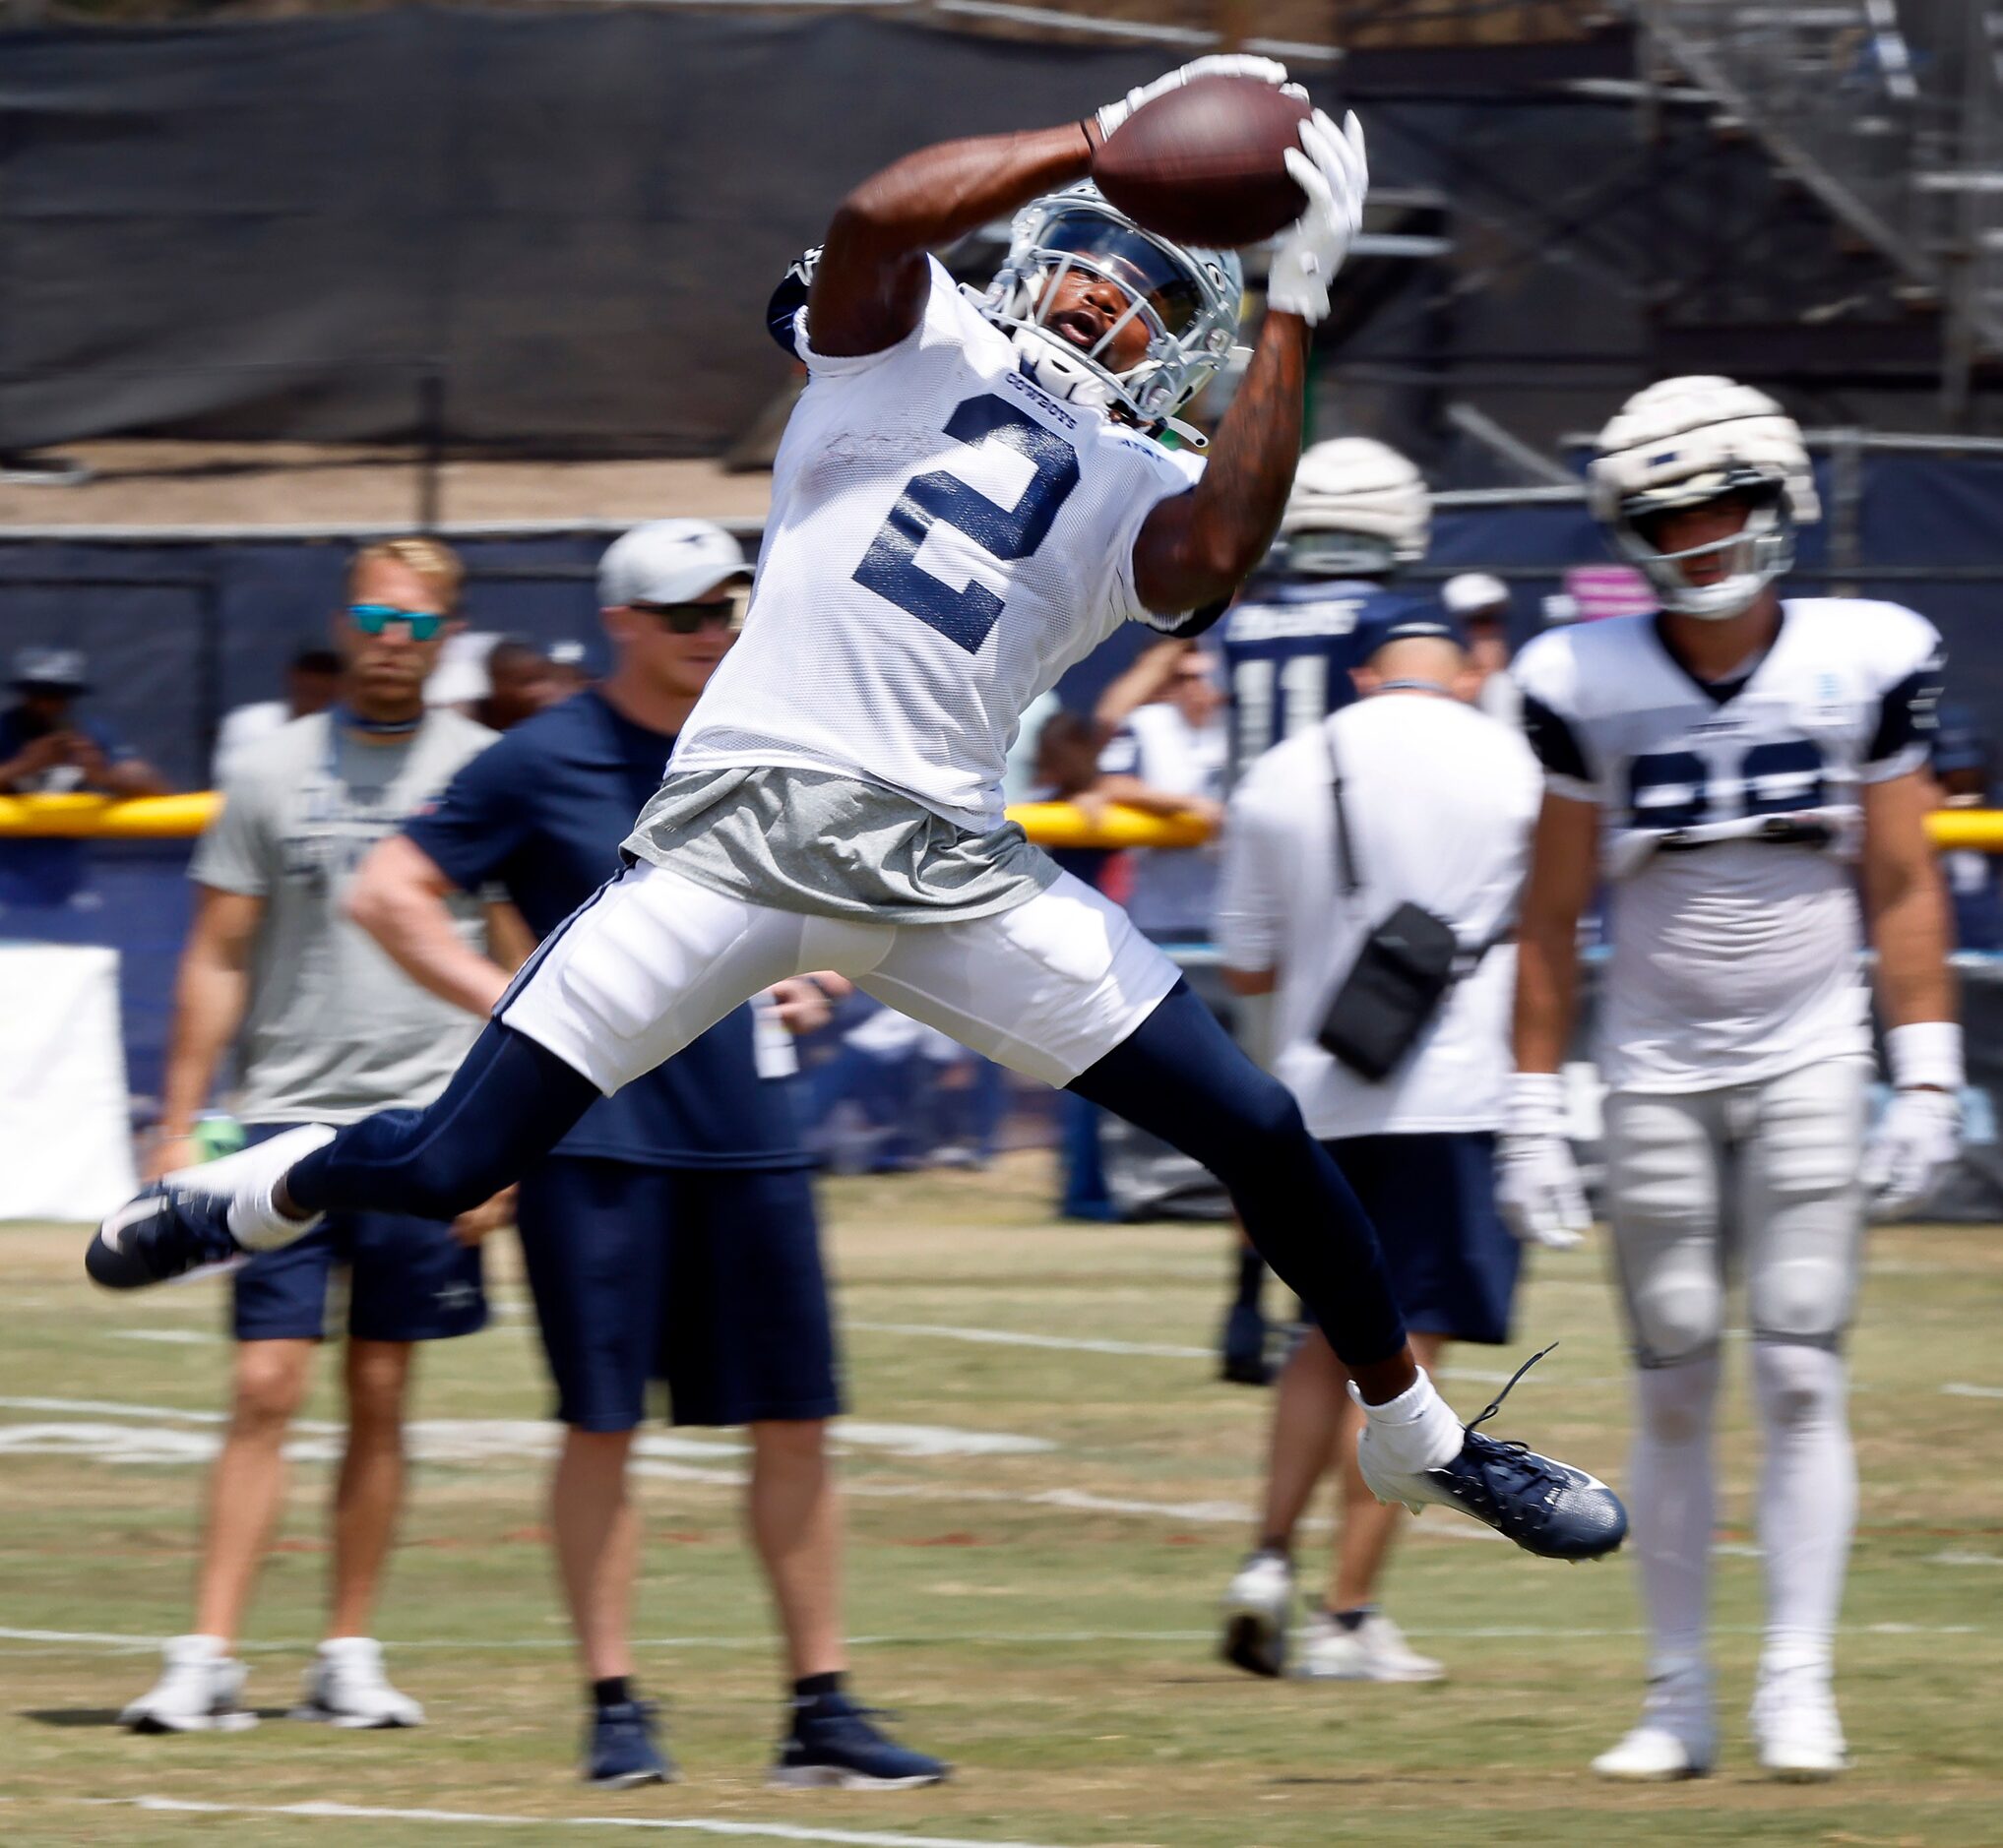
point(945, 539)
point(1729, 819)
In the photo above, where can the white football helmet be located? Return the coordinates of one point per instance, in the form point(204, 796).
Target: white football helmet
point(1687, 441)
point(1188, 299)
point(1358, 508)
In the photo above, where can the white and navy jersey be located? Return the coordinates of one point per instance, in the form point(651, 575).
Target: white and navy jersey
point(1730, 816)
point(1289, 648)
point(946, 538)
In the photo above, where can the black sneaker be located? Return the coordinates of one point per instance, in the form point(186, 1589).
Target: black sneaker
point(833, 1746)
point(1547, 1508)
point(1242, 1351)
point(622, 1746)
point(167, 1231)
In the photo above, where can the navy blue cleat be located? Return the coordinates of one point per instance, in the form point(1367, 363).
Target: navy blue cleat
point(1547, 1508)
point(833, 1746)
point(169, 1231)
point(1242, 1351)
point(622, 1746)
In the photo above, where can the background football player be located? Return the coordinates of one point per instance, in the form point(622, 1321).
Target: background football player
point(969, 497)
point(1729, 765)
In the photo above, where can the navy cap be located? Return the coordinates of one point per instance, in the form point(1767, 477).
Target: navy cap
point(60, 670)
point(1407, 622)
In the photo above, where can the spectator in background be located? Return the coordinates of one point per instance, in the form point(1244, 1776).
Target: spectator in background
point(312, 685)
point(1435, 806)
point(1166, 747)
point(569, 669)
point(48, 749)
point(1960, 759)
point(326, 1030)
point(520, 681)
point(1480, 603)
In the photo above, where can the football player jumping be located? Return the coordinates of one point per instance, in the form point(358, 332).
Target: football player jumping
point(1729, 765)
point(970, 496)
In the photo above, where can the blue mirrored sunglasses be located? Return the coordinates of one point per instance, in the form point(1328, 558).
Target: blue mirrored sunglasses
point(373, 618)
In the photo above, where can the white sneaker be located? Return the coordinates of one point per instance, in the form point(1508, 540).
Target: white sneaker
point(1258, 1607)
point(346, 1687)
point(1654, 1754)
point(1375, 1650)
point(200, 1691)
point(1795, 1727)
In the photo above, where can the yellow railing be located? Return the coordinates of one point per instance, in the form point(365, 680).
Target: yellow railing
point(1048, 823)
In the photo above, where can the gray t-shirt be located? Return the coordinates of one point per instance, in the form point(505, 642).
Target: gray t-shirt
point(334, 1029)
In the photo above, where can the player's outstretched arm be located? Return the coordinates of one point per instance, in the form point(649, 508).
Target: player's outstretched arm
point(869, 284)
point(1197, 549)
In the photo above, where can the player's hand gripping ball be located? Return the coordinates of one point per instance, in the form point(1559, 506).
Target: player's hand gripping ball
point(1201, 155)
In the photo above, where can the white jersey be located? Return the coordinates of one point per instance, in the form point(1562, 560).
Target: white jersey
point(1439, 801)
point(946, 538)
point(1730, 819)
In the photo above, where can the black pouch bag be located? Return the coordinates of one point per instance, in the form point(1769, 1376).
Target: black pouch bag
point(1400, 975)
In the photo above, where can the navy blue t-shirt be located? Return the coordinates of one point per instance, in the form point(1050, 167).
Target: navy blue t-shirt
point(542, 814)
point(51, 870)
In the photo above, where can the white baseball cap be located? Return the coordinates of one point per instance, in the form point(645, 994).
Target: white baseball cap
point(1474, 590)
point(668, 561)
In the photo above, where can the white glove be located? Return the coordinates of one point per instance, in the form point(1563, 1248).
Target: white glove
point(1921, 1132)
point(1330, 167)
point(1223, 64)
point(1538, 1188)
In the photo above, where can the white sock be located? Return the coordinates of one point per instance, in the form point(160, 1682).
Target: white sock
point(1416, 1431)
point(1808, 1499)
point(256, 1223)
point(1673, 1503)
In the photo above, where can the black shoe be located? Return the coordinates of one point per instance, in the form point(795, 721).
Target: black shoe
point(622, 1746)
point(1547, 1508)
point(834, 1747)
point(166, 1232)
point(1242, 1355)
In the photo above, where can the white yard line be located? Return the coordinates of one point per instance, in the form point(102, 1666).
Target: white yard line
point(1006, 1337)
point(686, 1824)
point(1961, 1389)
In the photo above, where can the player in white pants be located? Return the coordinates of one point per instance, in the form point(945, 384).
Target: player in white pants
point(1729, 767)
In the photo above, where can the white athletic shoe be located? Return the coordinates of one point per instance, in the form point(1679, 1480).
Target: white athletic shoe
point(1795, 1727)
point(347, 1687)
point(200, 1691)
point(1258, 1608)
point(1375, 1650)
point(1654, 1754)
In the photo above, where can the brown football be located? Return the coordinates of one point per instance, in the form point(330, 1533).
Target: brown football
point(1204, 164)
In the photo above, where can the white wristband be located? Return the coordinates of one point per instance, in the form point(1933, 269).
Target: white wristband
point(1924, 1055)
point(1535, 1104)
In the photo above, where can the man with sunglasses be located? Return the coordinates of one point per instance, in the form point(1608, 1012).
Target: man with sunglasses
point(326, 1030)
point(672, 1230)
point(970, 496)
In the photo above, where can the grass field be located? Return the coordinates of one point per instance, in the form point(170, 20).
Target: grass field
point(1038, 1611)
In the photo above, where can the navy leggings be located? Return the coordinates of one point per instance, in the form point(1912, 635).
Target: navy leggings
point(1177, 1076)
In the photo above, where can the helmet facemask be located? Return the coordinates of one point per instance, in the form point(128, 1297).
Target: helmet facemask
point(1186, 299)
point(1760, 551)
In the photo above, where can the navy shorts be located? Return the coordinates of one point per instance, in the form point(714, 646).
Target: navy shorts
point(409, 1280)
point(708, 1278)
point(1451, 1259)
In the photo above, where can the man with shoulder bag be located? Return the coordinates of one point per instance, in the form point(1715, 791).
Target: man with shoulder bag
point(1372, 865)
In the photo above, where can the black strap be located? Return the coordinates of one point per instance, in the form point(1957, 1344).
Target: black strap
point(1468, 960)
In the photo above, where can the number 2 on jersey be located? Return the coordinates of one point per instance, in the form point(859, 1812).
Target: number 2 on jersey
point(891, 565)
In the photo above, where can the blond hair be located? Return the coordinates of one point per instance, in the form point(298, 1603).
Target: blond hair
point(434, 563)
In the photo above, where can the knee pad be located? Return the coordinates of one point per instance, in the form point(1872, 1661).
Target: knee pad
point(1677, 1314)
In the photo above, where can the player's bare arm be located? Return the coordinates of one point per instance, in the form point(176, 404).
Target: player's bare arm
point(210, 991)
point(1906, 904)
point(1563, 861)
point(869, 286)
point(1196, 549)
